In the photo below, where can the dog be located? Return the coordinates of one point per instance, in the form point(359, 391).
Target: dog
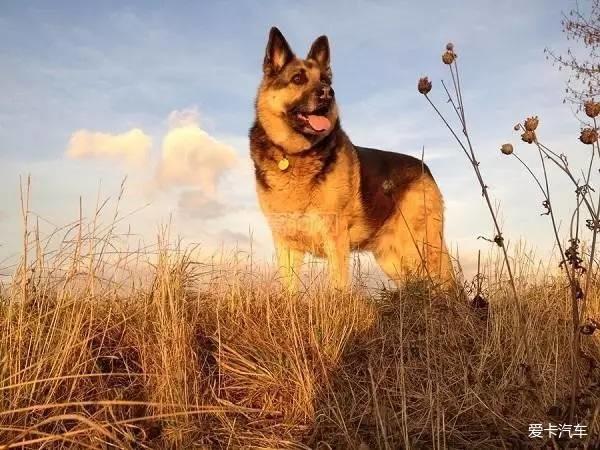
point(325, 196)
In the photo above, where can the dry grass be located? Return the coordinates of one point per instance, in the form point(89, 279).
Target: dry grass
point(205, 356)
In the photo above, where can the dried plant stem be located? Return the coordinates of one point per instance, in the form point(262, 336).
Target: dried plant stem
point(595, 230)
point(583, 196)
point(553, 157)
point(574, 307)
point(470, 153)
point(25, 215)
point(588, 278)
point(460, 110)
point(546, 192)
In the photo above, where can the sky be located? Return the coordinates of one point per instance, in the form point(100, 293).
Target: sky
point(162, 93)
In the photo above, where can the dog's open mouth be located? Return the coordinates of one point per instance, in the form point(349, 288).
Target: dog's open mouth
point(316, 120)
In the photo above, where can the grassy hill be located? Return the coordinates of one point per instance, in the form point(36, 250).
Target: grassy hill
point(204, 357)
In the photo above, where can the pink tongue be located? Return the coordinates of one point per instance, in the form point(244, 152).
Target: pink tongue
point(318, 123)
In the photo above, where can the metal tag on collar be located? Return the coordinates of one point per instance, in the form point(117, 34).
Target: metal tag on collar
point(283, 164)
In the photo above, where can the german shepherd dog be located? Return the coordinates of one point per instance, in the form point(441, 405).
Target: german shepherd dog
point(325, 196)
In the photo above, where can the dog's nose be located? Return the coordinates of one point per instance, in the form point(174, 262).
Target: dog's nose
point(325, 92)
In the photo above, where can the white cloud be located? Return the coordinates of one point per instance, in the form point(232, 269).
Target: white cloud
point(131, 147)
point(190, 156)
point(184, 117)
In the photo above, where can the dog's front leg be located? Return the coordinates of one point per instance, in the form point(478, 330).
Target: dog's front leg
point(337, 250)
point(289, 262)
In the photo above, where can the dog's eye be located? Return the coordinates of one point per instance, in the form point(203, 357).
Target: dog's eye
point(299, 78)
point(325, 79)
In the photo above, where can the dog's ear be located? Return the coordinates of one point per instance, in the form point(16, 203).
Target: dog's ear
point(277, 54)
point(319, 52)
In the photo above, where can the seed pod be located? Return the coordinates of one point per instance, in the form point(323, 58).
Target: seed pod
point(517, 127)
point(592, 109)
point(531, 123)
point(448, 57)
point(528, 136)
point(588, 136)
point(507, 149)
point(424, 86)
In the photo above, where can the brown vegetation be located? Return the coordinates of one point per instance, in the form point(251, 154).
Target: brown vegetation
point(209, 357)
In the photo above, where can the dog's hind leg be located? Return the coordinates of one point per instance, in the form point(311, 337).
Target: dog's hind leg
point(398, 265)
point(289, 262)
point(411, 242)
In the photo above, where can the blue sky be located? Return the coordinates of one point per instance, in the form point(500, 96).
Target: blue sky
point(112, 67)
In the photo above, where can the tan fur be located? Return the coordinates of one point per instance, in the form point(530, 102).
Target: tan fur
point(411, 242)
point(327, 218)
point(314, 219)
point(271, 109)
point(328, 221)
